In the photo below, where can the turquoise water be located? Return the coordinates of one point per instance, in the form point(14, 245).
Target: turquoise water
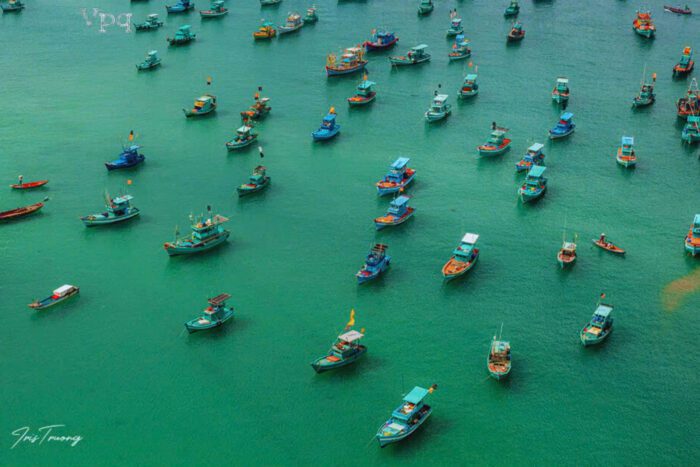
point(116, 367)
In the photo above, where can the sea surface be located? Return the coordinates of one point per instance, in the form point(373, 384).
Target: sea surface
point(116, 367)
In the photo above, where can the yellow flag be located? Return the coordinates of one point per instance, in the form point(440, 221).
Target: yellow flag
point(352, 318)
point(332, 110)
point(208, 80)
point(131, 135)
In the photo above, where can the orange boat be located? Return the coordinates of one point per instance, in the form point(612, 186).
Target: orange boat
point(20, 212)
point(603, 243)
point(28, 185)
point(643, 24)
point(463, 257)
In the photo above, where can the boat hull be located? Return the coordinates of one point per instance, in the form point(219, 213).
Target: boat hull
point(116, 165)
point(20, 212)
point(642, 102)
point(448, 276)
point(190, 113)
point(345, 71)
point(486, 151)
point(320, 367)
point(692, 249)
point(234, 145)
point(361, 278)
point(374, 46)
point(325, 135)
point(608, 247)
point(386, 440)
point(355, 101)
point(179, 9)
point(553, 135)
point(194, 325)
point(396, 188)
point(437, 116)
point(212, 14)
point(245, 190)
point(405, 62)
point(50, 301)
point(453, 56)
point(627, 163)
point(147, 66)
point(379, 225)
point(587, 340)
point(174, 250)
point(528, 196)
point(29, 185)
point(96, 221)
point(565, 262)
point(499, 375)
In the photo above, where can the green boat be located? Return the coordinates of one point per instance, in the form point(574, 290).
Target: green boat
point(244, 137)
point(365, 93)
point(346, 350)
point(691, 130)
point(118, 209)
point(152, 60)
point(414, 56)
point(152, 22)
point(496, 144)
point(183, 36)
point(207, 233)
point(407, 417)
point(311, 16)
point(499, 362)
point(203, 105)
point(425, 7)
point(217, 9)
point(216, 314)
point(599, 327)
point(513, 9)
point(12, 6)
point(257, 182)
point(59, 295)
point(270, 2)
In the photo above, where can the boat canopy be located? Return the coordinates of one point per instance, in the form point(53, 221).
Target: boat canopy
point(627, 141)
point(122, 199)
point(353, 50)
point(696, 220)
point(566, 117)
point(603, 310)
point(470, 238)
point(440, 99)
point(62, 290)
point(400, 201)
point(568, 246)
point(470, 77)
point(330, 118)
point(536, 171)
point(416, 395)
point(132, 148)
point(351, 336)
point(456, 21)
point(205, 98)
point(400, 163)
point(536, 148)
point(243, 130)
point(153, 16)
point(185, 28)
point(366, 85)
point(562, 80)
point(419, 48)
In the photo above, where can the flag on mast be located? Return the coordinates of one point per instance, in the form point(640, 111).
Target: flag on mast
point(351, 323)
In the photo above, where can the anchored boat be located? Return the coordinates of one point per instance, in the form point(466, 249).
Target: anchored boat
point(258, 181)
point(533, 157)
point(407, 417)
point(690, 104)
point(414, 56)
point(294, 23)
point(455, 27)
point(513, 9)
point(535, 184)
point(129, 157)
point(564, 127)
point(398, 213)
point(678, 10)
point(311, 16)
point(207, 233)
point(351, 60)
point(20, 212)
point(499, 362)
point(216, 314)
point(643, 24)
point(496, 144)
point(686, 63)
point(376, 263)
point(182, 6)
point(599, 327)
point(516, 33)
point(202, 106)
point(560, 93)
point(460, 49)
point(397, 179)
point(344, 351)
point(439, 109)
point(607, 245)
point(152, 60)
point(425, 7)
point(567, 254)
point(380, 40)
point(365, 93)
point(244, 137)
point(469, 87)
point(118, 209)
point(692, 240)
point(216, 9)
point(151, 23)
point(12, 6)
point(691, 130)
point(270, 2)
point(265, 31)
point(21, 185)
point(183, 36)
point(646, 94)
point(463, 257)
point(626, 156)
point(59, 295)
point(328, 128)
point(259, 109)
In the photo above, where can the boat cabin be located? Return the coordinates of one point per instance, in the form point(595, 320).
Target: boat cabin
point(347, 344)
point(417, 51)
point(568, 250)
point(563, 85)
point(365, 87)
point(397, 170)
point(627, 145)
point(183, 31)
point(566, 119)
point(412, 403)
point(204, 101)
point(535, 151)
point(377, 254)
point(456, 23)
point(131, 152)
point(694, 123)
point(470, 82)
point(695, 228)
point(62, 291)
point(293, 20)
point(120, 204)
point(383, 37)
point(329, 121)
point(152, 18)
point(601, 319)
point(244, 132)
point(497, 136)
point(535, 176)
point(464, 251)
point(439, 103)
point(258, 177)
point(399, 206)
point(206, 228)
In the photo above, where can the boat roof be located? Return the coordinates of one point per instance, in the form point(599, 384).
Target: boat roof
point(153, 15)
point(696, 219)
point(400, 163)
point(627, 140)
point(603, 310)
point(416, 395)
point(122, 199)
point(244, 129)
point(401, 200)
point(536, 171)
point(498, 132)
point(329, 118)
point(419, 47)
point(569, 246)
point(63, 289)
point(536, 147)
point(153, 52)
point(219, 299)
point(351, 336)
point(471, 76)
point(563, 80)
point(456, 20)
point(470, 238)
point(185, 27)
point(133, 147)
point(353, 50)
point(441, 98)
point(566, 116)
point(366, 84)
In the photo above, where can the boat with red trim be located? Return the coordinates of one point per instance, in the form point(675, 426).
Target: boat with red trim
point(21, 185)
point(20, 212)
point(380, 40)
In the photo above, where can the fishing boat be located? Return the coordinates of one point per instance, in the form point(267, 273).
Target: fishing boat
point(244, 137)
point(203, 105)
point(216, 9)
point(21, 185)
point(414, 56)
point(607, 245)
point(564, 127)
point(460, 49)
point(496, 144)
point(351, 60)
point(678, 10)
point(692, 240)
point(265, 31)
point(455, 28)
point(463, 257)
point(12, 6)
point(216, 314)
point(626, 156)
point(690, 104)
point(397, 179)
point(376, 263)
point(328, 128)
point(129, 157)
point(599, 327)
point(20, 212)
point(311, 16)
point(425, 7)
point(181, 6)
point(512, 10)
point(560, 93)
point(644, 25)
point(364, 94)
point(294, 23)
point(59, 295)
point(567, 253)
point(646, 94)
point(183, 35)
point(535, 184)
point(344, 351)
point(439, 108)
point(151, 23)
point(469, 87)
point(686, 64)
point(532, 157)
point(258, 181)
point(499, 362)
point(118, 209)
point(152, 60)
point(516, 33)
point(259, 109)
point(407, 417)
point(270, 2)
point(691, 130)
point(380, 40)
point(207, 233)
point(398, 213)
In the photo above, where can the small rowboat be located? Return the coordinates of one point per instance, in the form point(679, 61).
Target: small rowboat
point(678, 10)
point(29, 185)
point(20, 212)
point(608, 246)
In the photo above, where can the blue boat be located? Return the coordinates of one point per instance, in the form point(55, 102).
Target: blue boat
point(534, 156)
point(535, 184)
point(180, 7)
point(407, 417)
point(12, 6)
point(207, 233)
point(216, 314)
point(599, 327)
point(345, 350)
point(398, 213)
point(129, 157)
point(460, 49)
point(328, 128)
point(60, 294)
point(692, 240)
point(398, 177)
point(691, 130)
point(376, 263)
point(381, 40)
point(564, 127)
point(118, 209)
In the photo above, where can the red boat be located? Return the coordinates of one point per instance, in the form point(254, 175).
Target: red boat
point(680, 11)
point(20, 212)
point(28, 185)
point(381, 40)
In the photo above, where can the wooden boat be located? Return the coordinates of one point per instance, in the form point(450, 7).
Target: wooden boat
point(152, 23)
point(691, 130)
point(28, 185)
point(626, 156)
point(599, 327)
point(512, 10)
point(516, 33)
point(463, 257)
point(439, 108)
point(460, 49)
point(207, 233)
point(59, 295)
point(678, 10)
point(152, 60)
point(118, 209)
point(686, 64)
point(256, 182)
point(455, 28)
point(216, 10)
point(414, 56)
point(535, 185)
point(12, 6)
point(560, 93)
point(398, 213)
point(344, 351)
point(425, 7)
point(606, 245)
point(496, 144)
point(202, 106)
point(377, 262)
point(328, 128)
point(470, 87)
point(294, 23)
point(351, 60)
point(380, 40)
point(564, 127)
point(690, 104)
point(182, 6)
point(266, 31)
point(270, 2)
point(183, 36)
point(129, 157)
point(692, 240)
point(20, 212)
point(567, 254)
point(643, 24)
point(216, 314)
point(646, 94)
point(533, 157)
point(407, 417)
point(244, 137)
point(259, 109)
point(397, 179)
point(498, 361)
point(364, 95)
